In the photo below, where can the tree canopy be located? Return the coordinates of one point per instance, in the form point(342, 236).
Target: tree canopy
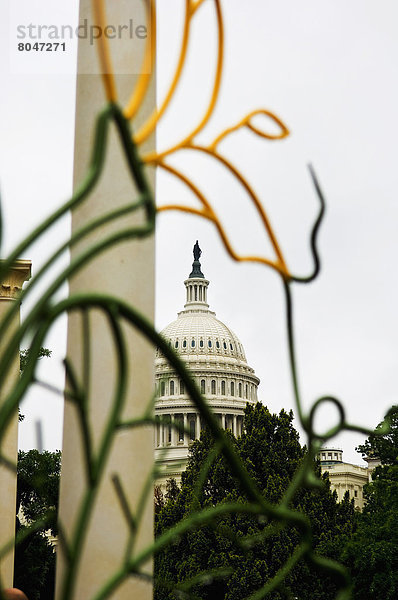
point(236, 555)
point(372, 553)
point(384, 447)
point(23, 361)
point(38, 478)
point(25, 354)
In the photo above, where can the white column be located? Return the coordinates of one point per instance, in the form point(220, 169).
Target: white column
point(9, 290)
point(126, 271)
point(224, 421)
point(173, 431)
point(185, 427)
point(234, 426)
point(157, 433)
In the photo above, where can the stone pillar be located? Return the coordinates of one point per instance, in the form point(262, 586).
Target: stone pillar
point(157, 433)
point(224, 421)
point(234, 426)
point(127, 272)
point(10, 289)
point(186, 436)
point(173, 430)
point(170, 430)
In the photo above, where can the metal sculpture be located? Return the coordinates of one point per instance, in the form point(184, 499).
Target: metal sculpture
point(48, 309)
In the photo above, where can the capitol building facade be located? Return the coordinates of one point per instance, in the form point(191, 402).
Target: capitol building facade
point(216, 360)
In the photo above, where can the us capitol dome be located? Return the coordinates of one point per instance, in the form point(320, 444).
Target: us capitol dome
point(216, 360)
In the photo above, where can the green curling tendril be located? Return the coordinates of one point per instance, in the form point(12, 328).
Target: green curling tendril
point(41, 318)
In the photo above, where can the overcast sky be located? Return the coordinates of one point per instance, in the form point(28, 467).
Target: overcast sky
point(328, 70)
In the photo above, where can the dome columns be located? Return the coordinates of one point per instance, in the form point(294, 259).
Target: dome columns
point(196, 293)
point(182, 427)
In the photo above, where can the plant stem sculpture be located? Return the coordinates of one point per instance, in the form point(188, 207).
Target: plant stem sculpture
point(42, 316)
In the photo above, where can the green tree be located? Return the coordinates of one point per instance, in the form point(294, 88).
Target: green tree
point(38, 478)
point(37, 499)
point(372, 554)
point(384, 447)
point(24, 357)
point(23, 361)
point(233, 550)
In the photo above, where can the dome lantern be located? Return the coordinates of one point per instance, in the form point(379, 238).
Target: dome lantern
point(196, 285)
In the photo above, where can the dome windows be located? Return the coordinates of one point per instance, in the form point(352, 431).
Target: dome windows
point(182, 387)
point(204, 341)
point(202, 386)
point(240, 390)
point(204, 334)
point(171, 388)
point(223, 388)
point(213, 387)
point(232, 388)
point(162, 388)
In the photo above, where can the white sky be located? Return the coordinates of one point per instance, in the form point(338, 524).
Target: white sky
point(329, 71)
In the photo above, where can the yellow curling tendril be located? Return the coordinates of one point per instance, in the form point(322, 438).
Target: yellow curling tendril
point(208, 213)
point(99, 13)
point(190, 11)
point(148, 65)
point(157, 159)
point(148, 127)
point(245, 122)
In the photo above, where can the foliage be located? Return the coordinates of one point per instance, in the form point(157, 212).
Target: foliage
point(158, 500)
point(24, 357)
point(37, 499)
point(34, 566)
point(384, 447)
point(38, 485)
point(372, 554)
point(172, 489)
point(171, 493)
point(23, 361)
point(241, 551)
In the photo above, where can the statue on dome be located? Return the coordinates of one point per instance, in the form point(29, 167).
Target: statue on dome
point(196, 271)
point(197, 252)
